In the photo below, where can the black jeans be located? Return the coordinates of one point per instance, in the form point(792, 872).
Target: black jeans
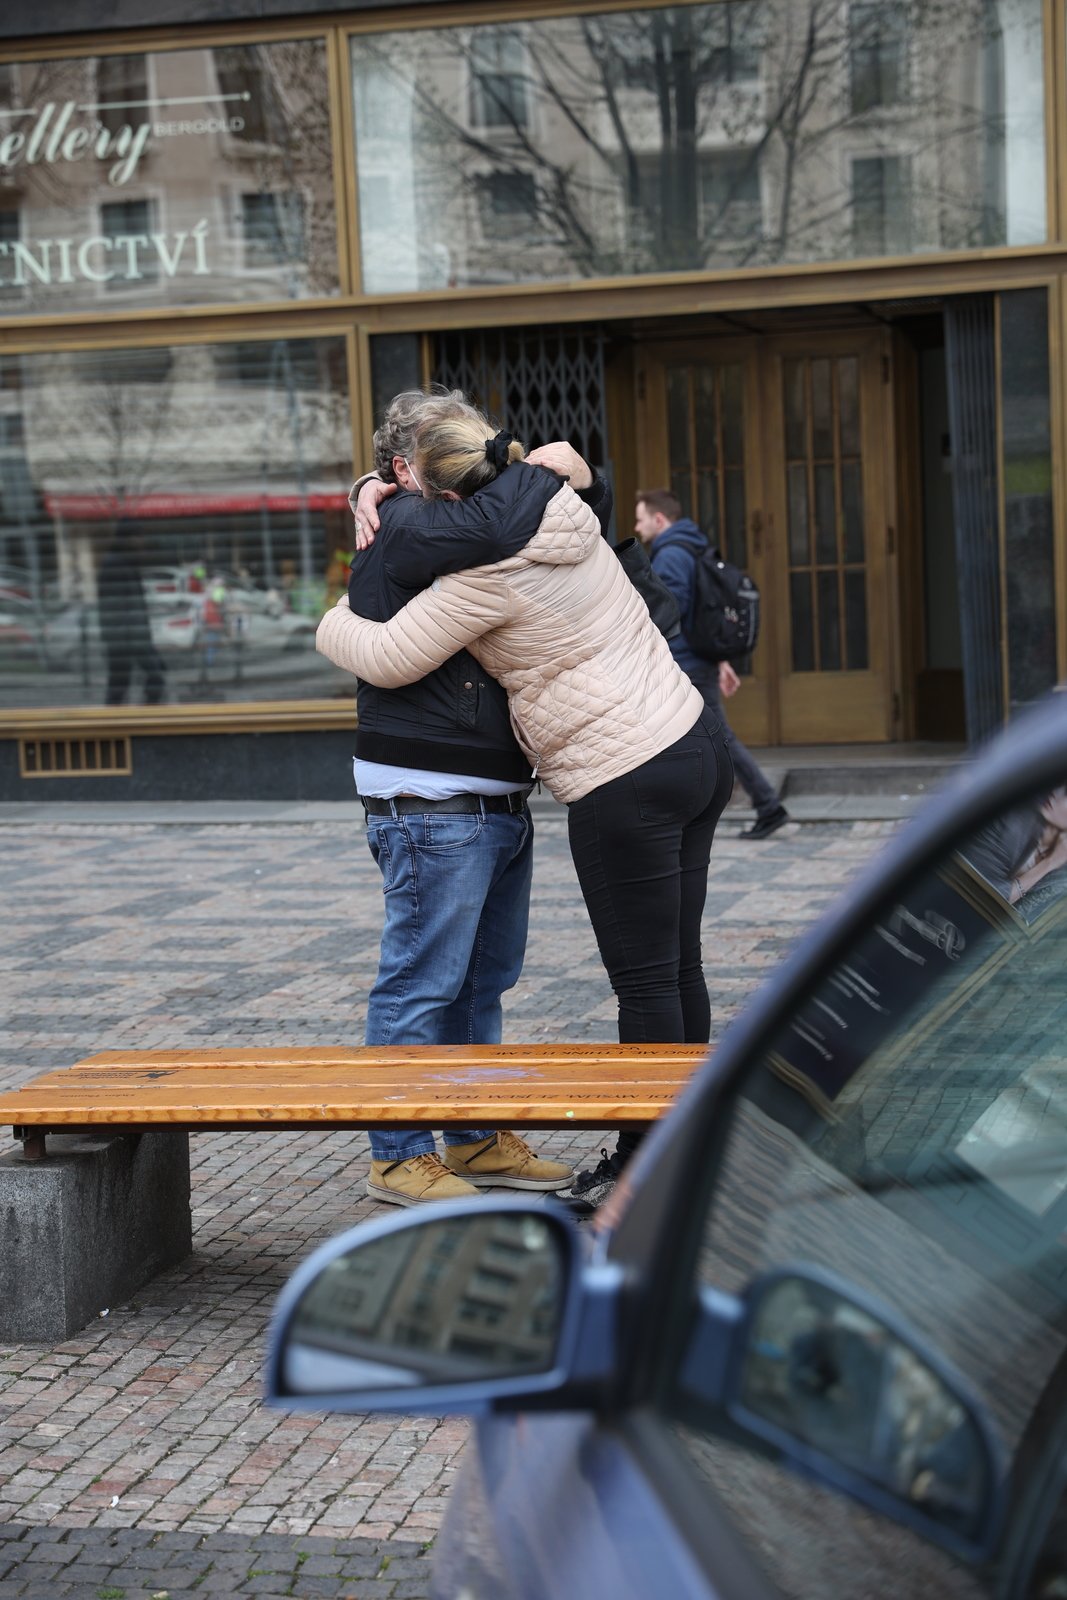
point(641, 845)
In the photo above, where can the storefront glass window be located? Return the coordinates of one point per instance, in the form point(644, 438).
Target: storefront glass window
point(695, 137)
point(176, 178)
point(172, 522)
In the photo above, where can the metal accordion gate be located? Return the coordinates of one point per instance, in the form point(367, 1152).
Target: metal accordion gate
point(539, 383)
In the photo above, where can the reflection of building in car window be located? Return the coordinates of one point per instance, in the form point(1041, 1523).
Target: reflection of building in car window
point(1022, 855)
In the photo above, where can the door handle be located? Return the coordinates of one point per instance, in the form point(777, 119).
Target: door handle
point(756, 528)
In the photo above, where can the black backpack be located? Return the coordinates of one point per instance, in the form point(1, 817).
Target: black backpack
point(723, 620)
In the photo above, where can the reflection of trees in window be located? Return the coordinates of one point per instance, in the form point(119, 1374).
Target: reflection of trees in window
point(122, 89)
point(881, 205)
point(128, 223)
point(498, 81)
point(878, 54)
point(8, 84)
point(687, 137)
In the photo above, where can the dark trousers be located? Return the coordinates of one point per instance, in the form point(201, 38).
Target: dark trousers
point(750, 775)
point(641, 845)
point(121, 660)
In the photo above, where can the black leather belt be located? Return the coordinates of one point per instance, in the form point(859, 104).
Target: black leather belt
point(406, 805)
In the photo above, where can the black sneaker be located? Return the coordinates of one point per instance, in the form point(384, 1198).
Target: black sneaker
point(763, 827)
point(590, 1189)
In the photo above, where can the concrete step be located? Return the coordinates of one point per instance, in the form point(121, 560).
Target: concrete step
point(865, 778)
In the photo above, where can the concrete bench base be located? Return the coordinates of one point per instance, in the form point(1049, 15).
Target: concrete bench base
point(88, 1227)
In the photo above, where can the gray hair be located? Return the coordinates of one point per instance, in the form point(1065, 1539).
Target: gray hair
point(405, 416)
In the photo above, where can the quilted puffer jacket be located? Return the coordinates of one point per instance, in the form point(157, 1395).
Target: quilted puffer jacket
point(592, 686)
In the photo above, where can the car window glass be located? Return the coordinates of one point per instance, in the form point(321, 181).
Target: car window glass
point(907, 1131)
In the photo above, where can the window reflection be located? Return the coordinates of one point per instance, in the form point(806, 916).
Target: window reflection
point(171, 178)
point(682, 138)
point(459, 1298)
point(173, 521)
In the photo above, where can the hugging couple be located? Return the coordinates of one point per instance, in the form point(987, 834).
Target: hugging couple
point(497, 642)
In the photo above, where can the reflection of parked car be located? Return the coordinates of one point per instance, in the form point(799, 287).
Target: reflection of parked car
point(168, 584)
point(256, 618)
point(176, 623)
point(32, 632)
point(73, 628)
point(816, 1345)
point(18, 624)
point(260, 621)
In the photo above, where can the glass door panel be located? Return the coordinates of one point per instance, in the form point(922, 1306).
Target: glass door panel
point(826, 459)
point(704, 438)
point(824, 466)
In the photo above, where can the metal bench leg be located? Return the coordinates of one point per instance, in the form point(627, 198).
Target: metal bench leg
point(33, 1143)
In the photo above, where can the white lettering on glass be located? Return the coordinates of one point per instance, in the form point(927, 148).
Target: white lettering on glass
point(85, 266)
point(67, 260)
point(200, 242)
point(169, 262)
point(52, 138)
point(24, 257)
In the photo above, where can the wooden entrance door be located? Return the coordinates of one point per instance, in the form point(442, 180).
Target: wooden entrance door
point(779, 449)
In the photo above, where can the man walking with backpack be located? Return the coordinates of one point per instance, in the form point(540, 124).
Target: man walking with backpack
point(675, 545)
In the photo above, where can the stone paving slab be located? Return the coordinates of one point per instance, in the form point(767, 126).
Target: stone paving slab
point(147, 1428)
point(132, 1564)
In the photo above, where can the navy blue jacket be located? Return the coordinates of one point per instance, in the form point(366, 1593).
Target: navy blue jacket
point(456, 718)
point(673, 555)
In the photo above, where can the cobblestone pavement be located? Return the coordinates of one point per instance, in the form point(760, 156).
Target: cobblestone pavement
point(136, 1458)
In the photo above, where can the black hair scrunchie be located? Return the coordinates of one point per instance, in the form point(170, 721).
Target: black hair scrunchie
point(496, 450)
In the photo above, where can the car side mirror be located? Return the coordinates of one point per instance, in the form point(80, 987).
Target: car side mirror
point(835, 1385)
point(460, 1307)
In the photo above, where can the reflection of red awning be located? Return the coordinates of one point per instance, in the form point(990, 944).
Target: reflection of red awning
point(103, 507)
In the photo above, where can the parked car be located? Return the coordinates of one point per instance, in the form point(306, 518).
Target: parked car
point(816, 1343)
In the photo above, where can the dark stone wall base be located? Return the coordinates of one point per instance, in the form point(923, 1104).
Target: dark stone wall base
point(316, 765)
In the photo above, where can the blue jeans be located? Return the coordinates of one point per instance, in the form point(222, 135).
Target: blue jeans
point(750, 775)
point(457, 907)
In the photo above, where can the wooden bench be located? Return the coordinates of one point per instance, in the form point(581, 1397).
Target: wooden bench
point(92, 1218)
point(216, 1091)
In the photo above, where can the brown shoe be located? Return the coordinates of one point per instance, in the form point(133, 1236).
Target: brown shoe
point(416, 1182)
point(506, 1162)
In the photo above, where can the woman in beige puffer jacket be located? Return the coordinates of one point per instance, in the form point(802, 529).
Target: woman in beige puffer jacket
point(609, 721)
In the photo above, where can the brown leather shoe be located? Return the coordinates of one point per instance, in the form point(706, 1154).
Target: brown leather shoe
point(416, 1181)
point(505, 1161)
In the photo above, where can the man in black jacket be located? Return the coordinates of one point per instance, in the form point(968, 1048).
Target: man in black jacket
point(444, 785)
